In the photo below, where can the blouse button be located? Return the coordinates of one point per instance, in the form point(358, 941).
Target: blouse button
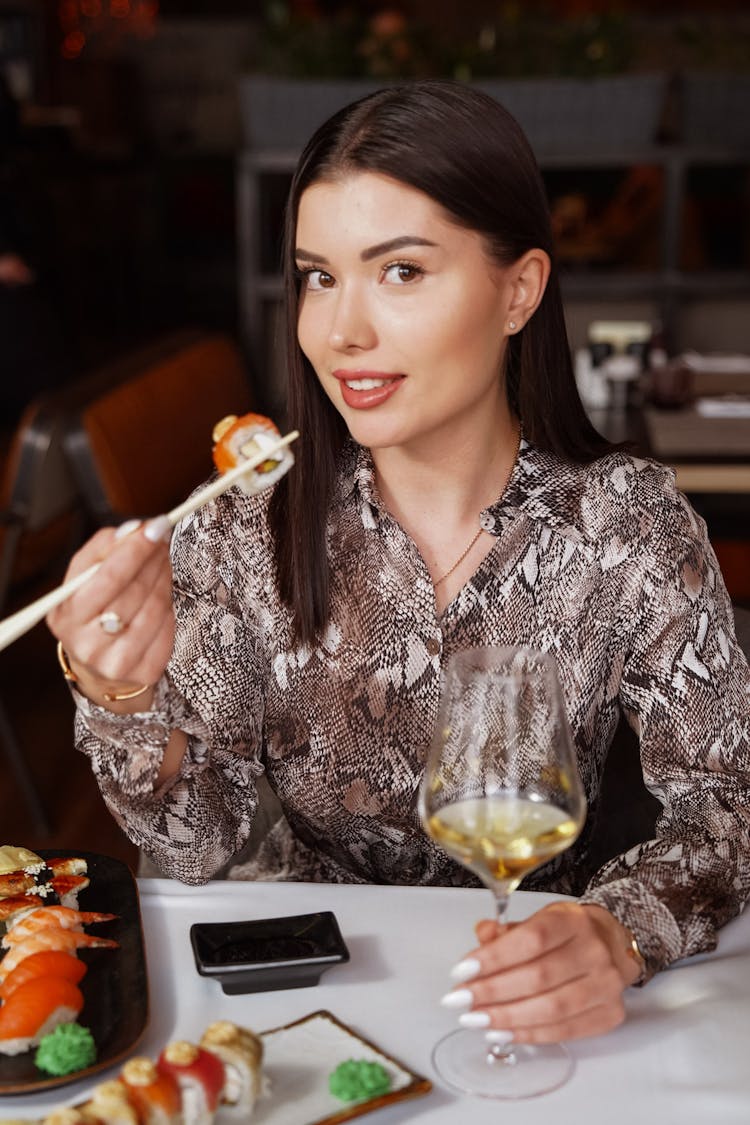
point(432, 646)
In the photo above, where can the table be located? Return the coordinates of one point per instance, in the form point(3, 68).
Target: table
point(681, 1056)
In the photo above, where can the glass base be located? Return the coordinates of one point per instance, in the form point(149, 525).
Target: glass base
point(465, 1060)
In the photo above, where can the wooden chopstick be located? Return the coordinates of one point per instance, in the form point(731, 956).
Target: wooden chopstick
point(19, 623)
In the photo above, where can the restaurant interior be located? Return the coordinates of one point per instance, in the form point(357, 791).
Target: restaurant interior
point(147, 146)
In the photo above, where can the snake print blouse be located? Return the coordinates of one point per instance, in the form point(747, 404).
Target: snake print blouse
point(606, 566)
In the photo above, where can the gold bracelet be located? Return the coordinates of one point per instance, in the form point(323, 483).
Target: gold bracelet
point(633, 951)
point(110, 696)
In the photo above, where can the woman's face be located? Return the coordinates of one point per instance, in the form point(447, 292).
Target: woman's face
point(403, 315)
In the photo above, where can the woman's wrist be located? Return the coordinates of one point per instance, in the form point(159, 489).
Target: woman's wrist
point(622, 943)
point(120, 697)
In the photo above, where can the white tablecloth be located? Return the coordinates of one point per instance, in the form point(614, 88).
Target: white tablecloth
point(683, 1054)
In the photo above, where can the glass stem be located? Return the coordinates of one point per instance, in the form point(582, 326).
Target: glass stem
point(498, 1053)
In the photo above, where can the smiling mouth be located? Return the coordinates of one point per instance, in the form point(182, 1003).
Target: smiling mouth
point(367, 384)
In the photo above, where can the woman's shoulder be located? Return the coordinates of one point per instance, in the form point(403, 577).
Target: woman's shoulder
point(620, 498)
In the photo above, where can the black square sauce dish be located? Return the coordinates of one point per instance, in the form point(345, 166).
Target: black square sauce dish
point(269, 953)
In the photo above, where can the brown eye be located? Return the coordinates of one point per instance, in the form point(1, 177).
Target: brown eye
point(401, 273)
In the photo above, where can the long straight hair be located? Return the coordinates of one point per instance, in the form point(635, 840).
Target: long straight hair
point(466, 152)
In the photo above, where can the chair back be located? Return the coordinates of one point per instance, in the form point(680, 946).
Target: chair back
point(141, 446)
point(39, 500)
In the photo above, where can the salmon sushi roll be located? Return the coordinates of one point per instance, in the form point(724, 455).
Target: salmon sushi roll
point(34, 1009)
point(110, 1105)
point(155, 1094)
point(240, 439)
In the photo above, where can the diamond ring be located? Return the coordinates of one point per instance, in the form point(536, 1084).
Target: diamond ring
point(111, 623)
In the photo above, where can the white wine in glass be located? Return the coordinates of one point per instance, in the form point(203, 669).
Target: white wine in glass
point(501, 793)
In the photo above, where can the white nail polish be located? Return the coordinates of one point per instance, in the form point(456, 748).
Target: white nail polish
point(499, 1038)
point(459, 998)
point(127, 528)
point(474, 1019)
point(158, 530)
point(465, 970)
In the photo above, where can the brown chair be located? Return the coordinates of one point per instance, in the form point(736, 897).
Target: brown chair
point(142, 445)
point(41, 522)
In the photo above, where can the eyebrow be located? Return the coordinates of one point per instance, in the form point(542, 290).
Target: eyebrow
point(372, 251)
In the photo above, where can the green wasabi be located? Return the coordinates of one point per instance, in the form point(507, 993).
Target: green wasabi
point(68, 1048)
point(357, 1079)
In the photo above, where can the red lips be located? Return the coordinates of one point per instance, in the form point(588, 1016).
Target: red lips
point(363, 390)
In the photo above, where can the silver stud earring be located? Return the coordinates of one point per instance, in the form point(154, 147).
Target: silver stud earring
point(512, 325)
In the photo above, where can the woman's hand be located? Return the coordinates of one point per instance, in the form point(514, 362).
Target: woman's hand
point(558, 975)
point(131, 644)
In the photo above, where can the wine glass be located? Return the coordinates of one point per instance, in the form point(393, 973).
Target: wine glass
point(502, 795)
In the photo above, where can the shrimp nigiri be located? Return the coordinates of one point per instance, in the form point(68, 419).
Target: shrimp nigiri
point(55, 937)
point(42, 918)
point(34, 1009)
point(50, 963)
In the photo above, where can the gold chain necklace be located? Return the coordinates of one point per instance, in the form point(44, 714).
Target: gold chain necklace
point(437, 581)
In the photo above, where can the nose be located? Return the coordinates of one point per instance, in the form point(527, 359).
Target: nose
point(351, 325)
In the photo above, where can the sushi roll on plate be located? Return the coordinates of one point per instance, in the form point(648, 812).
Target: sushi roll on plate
point(241, 1052)
point(154, 1093)
point(200, 1077)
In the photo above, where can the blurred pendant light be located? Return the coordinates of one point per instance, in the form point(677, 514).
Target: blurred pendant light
point(103, 23)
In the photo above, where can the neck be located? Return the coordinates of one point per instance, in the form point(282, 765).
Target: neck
point(453, 482)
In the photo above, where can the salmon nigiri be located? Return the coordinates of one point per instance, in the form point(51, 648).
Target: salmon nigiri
point(24, 925)
point(54, 937)
point(49, 963)
point(34, 1009)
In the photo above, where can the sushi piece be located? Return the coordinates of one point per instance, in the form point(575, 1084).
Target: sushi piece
point(67, 865)
point(154, 1093)
point(241, 1052)
point(55, 937)
point(34, 1009)
point(237, 439)
point(26, 924)
point(12, 905)
point(48, 963)
point(110, 1105)
point(68, 887)
point(200, 1077)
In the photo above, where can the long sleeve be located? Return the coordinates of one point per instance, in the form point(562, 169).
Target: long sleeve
point(212, 690)
point(685, 689)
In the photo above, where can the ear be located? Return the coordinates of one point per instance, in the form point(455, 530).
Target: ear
point(529, 277)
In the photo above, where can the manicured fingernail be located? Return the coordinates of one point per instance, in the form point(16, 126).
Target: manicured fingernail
point(460, 998)
point(474, 1019)
point(158, 530)
point(466, 970)
point(127, 528)
point(499, 1038)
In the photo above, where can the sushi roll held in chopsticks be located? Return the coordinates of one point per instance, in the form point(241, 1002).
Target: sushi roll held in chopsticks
point(240, 439)
point(241, 1052)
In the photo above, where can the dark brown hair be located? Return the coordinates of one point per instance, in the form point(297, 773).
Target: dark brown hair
point(463, 149)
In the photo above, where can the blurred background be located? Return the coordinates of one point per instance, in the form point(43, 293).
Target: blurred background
point(146, 147)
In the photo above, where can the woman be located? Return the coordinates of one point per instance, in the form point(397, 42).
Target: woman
point(449, 491)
